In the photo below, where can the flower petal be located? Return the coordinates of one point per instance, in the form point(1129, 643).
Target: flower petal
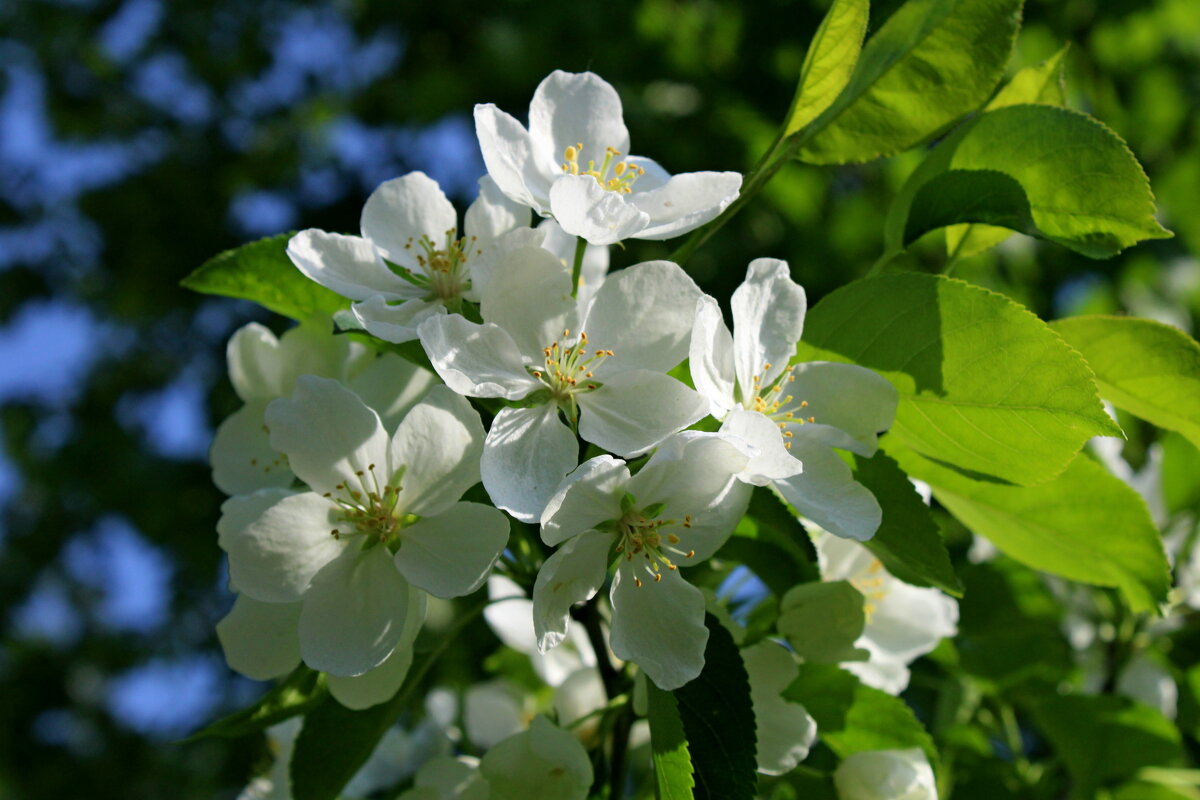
point(768, 318)
point(543, 761)
point(571, 575)
point(785, 730)
point(658, 625)
point(487, 258)
point(402, 211)
point(493, 213)
point(855, 400)
point(451, 554)
point(526, 454)
point(380, 684)
point(510, 160)
point(475, 360)
point(595, 259)
point(588, 496)
point(348, 265)
point(354, 613)
point(645, 314)
point(530, 297)
point(439, 444)
point(449, 779)
point(875, 774)
point(328, 434)
point(260, 639)
point(827, 493)
point(277, 541)
point(773, 460)
point(710, 357)
point(635, 410)
point(254, 364)
point(585, 208)
point(394, 322)
point(908, 622)
point(686, 202)
point(392, 385)
point(572, 108)
point(243, 460)
point(491, 714)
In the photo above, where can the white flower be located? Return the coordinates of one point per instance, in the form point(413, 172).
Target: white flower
point(885, 775)
point(603, 367)
point(681, 507)
point(595, 259)
point(263, 367)
point(903, 622)
point(492, 712)
point(382, 513)
point(571, 165)
point(449, 779)
point(410, 262)
point(785, 730)
point(794, 414)
point(542, 762)
point(512, 622)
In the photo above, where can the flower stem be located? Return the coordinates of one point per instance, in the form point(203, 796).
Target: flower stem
point(577, 266)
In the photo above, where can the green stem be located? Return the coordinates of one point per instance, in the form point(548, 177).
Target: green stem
point(577, 266)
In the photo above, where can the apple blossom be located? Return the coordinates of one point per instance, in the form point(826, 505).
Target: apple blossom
point(785, 731)
point(794, 414)
point(885, 775)
point(601, 366)
point(572, 165)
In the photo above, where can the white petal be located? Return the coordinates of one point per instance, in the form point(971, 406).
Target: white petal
point(491, 714)
point(528, 451)
point(487, 258)
point(312, 349)
point(785, 730)
point(710, 357)
point(243, 460)
point(773, 460)
point(658, 625)
point(635, 410)
point(906, 622)
point(579, 695)
point(260, 639)
point(347, 265)
point(586, 209)
point(401, 211)
point(512, 619)
point(277, 541)
point(562, 245)
point(686, 202)
point(768, 318)
point(588, 496)
point(542, 762)
point(439, 444)
point(509, 158)
point(885, 774)
point(571, 575)
point(451, 779)
point(886, 676)
point(845, 560)
point(854, 400)
point(394, 322)
point(327, 433)
point(493, 213)
point(827, 493)
point(573, 108)
point(645, 315)
point(354, 613)
point(381, 683)
point(254, 363)
point(451, 554)
point(530, 297)
point(475, 360)
point(392, 385)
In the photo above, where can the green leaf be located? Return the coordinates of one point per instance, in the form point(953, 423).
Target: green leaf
point(830, 61)
point(930, 63)
point(1086, 525)
point(908, 542)
point(261, 271)
point(822, 620)
point(985, 386)
point(333, 745)
point(300, 691)
point(1149, 369)
point(1042, 83)
point(672, 763)
point(1105, 738)
point(1071, 180)
point(718, 721)
point(852, 717)
point(770, 540)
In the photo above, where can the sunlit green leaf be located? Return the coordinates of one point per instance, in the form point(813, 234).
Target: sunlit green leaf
point(822, 620)
point(672, 763)
point(829, 62)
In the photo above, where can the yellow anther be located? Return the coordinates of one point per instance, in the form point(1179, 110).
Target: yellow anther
point(637, 581)
point(804, 404)
point(672, 538)
point(657, 577)
point(571, 153)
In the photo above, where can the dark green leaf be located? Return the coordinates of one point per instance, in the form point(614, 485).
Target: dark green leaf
point(261, 271)
point(300, 691)
point(333, 745)
point(718, 721)
point(672, 763)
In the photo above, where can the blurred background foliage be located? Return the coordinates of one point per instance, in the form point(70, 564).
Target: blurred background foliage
point(138, 138)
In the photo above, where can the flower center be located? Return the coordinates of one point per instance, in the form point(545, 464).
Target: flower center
point(568, 369)
point(613, 175)
point(769, 400)
point(640, 533)
point(870, 584)
point(370, 509)
point(444, 268)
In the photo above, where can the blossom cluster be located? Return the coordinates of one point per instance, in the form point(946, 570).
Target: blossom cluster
point(558, 385)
